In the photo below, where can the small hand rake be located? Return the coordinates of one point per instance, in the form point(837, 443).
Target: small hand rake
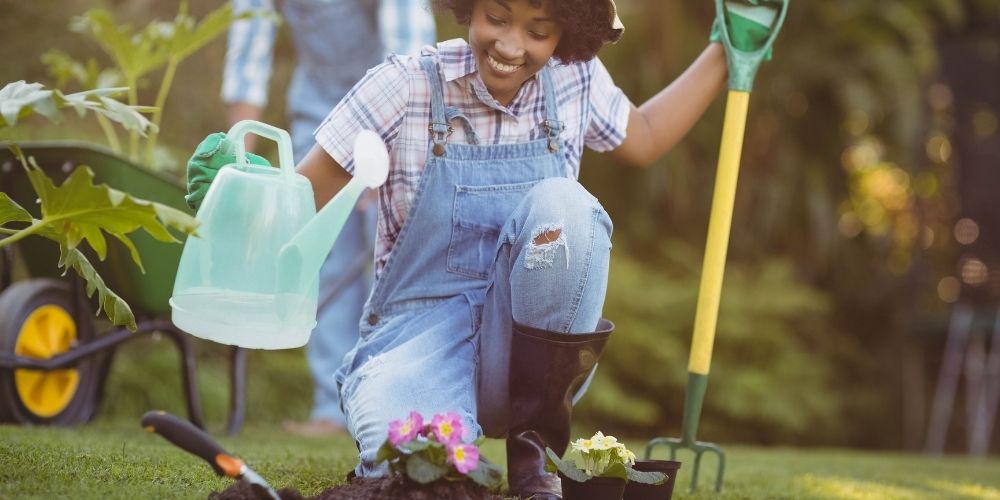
point(742, 69)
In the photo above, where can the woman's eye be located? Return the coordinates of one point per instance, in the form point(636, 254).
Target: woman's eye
point(494, 20)
point(539, 36)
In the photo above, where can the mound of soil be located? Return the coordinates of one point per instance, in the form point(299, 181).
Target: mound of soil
point(360, 488)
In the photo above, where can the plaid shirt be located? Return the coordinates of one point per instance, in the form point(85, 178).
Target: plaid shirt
point(393, 99)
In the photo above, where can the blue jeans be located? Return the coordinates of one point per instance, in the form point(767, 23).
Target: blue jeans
point(345, 280)
point(453, 354)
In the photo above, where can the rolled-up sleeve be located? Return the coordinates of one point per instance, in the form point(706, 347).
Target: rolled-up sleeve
point(609, 110)
point(377, 102)
point(249, 52)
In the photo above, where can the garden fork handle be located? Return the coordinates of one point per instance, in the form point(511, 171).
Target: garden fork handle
point(714, 266)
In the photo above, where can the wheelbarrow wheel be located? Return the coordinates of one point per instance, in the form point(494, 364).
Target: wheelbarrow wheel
point(36, 320)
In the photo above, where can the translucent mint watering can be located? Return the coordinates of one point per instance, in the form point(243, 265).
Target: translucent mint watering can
point(251, 276)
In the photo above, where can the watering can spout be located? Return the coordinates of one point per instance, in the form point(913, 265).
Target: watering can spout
point(300, 260)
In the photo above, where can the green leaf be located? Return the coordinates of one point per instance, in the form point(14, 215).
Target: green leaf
point(416, 445)
point(19, 99)
point(386, 452)
point(116, 309)
point(567, 468)
point(616, 469)
point(486, 474)
point(137, 54)
point(646, 477)
point(82, 210)
point(10, 211)
point(422, 471)
point(188, 38)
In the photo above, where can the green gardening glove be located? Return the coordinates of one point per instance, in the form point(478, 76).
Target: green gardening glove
point(747, 30)
point(215, 152)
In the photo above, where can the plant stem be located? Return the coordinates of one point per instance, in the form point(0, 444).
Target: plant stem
point(109, 133)
point(133, 99)
point(21, 234)
point(161, 99)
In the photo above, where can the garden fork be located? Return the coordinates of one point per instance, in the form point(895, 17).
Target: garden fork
point(742, 69)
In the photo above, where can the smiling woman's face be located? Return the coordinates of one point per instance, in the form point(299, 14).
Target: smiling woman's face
point(511, 40)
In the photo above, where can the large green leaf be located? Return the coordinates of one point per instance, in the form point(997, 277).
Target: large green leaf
point(88, 75)
point(486, 474)
point(386, 452)
point(135, 53)
point(83, 211)
point(646, 477)
point(566, 467)
point(423, 471)
point(10, 211)
point(188, 37)
point(79, 211)
point(19, 99)
point(116, 309)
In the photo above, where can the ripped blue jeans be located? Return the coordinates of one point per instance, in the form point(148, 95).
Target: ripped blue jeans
point(548, 270)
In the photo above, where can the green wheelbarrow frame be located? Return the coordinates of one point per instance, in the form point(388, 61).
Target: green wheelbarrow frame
point(147, 293)
point(742, 70)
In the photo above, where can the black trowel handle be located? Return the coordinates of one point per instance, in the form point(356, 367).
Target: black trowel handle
point(193, 440)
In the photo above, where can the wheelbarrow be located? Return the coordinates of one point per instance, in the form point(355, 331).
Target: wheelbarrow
point(53, 359)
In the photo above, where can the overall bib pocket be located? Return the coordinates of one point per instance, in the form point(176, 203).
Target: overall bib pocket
point(479, 214)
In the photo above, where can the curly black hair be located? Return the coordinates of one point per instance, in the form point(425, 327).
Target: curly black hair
point(585, 23)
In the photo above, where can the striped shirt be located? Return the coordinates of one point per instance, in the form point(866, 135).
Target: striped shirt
point(393, 99)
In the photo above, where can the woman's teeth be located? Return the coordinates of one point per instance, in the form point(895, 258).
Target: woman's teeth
point(501, 67)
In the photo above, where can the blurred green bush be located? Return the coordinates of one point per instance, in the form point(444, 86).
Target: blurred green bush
point(831, 255)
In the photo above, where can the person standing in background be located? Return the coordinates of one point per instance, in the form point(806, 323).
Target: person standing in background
point(336, 42)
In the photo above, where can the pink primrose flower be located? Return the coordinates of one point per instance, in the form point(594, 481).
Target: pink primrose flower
point(465, 457)
point(403, 431)
point(447, 428)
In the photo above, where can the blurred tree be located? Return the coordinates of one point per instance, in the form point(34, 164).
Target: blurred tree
point(839, 176)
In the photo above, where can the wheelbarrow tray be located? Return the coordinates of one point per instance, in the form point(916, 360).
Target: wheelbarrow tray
point(147, 293)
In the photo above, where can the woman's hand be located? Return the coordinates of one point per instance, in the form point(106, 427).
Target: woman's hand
point(747, 30)
point(215, 152)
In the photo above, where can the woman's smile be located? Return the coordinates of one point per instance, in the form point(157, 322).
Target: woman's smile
point(501, 67)
point(512, 40)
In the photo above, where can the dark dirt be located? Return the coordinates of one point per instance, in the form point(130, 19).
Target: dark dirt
point(373, 488)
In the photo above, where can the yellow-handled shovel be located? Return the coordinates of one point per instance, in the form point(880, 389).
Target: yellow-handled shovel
point(742, 69)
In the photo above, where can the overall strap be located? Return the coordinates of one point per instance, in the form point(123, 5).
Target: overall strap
point(552, 124)
point(439, 127)
point(454, 114)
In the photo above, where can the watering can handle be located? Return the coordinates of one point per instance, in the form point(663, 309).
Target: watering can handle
point(743, 64)
point(242, 128)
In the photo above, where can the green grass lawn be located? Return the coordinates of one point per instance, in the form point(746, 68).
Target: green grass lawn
point(116, 459)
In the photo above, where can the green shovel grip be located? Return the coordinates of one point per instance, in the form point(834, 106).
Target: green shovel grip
point(743, 64)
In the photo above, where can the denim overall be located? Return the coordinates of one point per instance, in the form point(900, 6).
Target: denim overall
point(435, 335)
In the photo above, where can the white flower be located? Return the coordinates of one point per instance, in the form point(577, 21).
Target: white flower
point(582, 445)
point(602, 442)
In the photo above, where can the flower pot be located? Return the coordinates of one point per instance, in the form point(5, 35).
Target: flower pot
point(595, 488)
point(640, 491)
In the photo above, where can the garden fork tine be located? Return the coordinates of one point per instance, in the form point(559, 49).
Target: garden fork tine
point(742, 69)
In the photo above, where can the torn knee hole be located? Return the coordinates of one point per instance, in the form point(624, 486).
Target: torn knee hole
point(549, 236)
point(546, 241)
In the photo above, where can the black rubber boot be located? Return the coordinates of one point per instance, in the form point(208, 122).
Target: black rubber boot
point(546, 370)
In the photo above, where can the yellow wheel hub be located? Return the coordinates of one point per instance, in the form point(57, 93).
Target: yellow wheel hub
point(48, 331)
